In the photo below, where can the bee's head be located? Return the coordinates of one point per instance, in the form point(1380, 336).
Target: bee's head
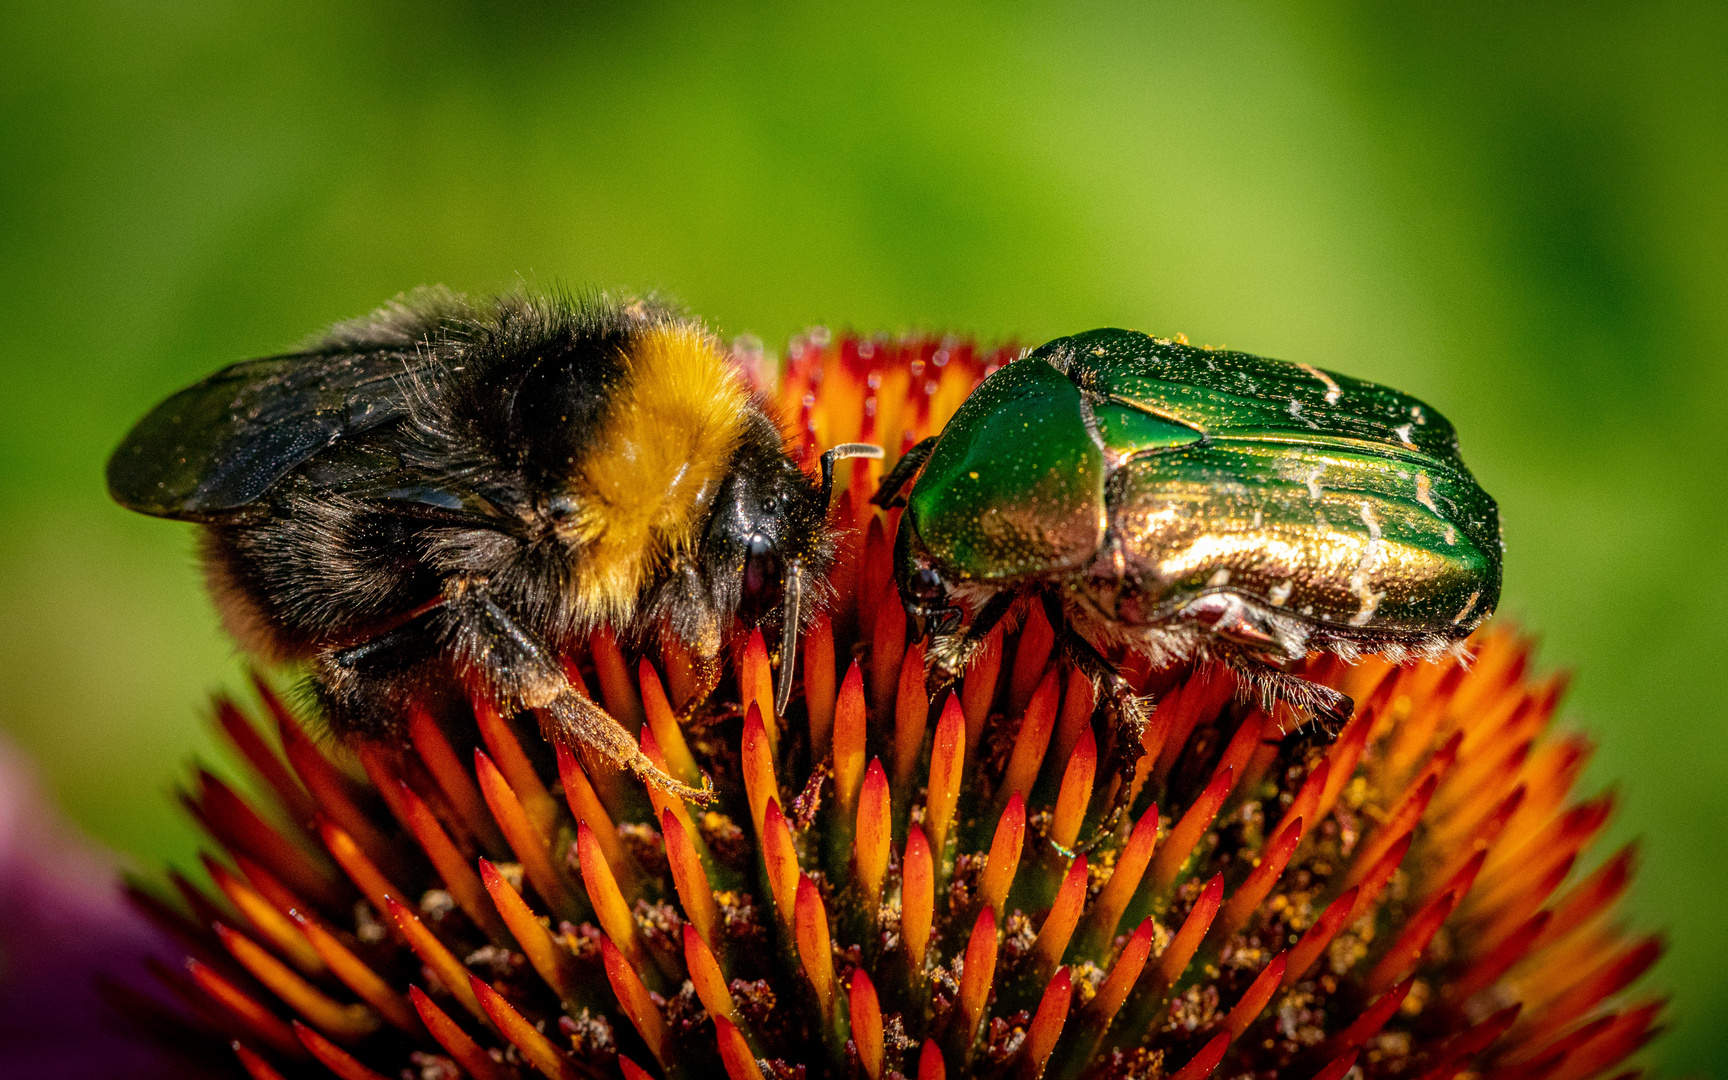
point(768, 516)
point(767, 533)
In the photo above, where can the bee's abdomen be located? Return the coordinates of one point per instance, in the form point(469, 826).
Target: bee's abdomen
point(326, 571)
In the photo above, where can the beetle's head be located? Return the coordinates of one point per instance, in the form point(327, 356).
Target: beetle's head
point(926, 589)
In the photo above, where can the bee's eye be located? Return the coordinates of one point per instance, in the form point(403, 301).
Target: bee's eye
point(561, 509)
point(761, 567)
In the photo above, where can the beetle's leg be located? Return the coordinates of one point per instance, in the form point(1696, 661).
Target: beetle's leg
point(509, 662)
point(891, 492)
point(934, 623)
point(950, 654)
point(1124, 711)
point(1114, 692)
point(1330, 709)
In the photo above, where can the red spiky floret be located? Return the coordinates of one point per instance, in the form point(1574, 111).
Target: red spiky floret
point(895, 885)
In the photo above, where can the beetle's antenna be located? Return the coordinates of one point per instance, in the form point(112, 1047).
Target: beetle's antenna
point(792, 616)
point(837, 453)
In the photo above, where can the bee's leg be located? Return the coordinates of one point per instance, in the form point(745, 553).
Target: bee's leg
point(388, 650)
point(574, 720)
point(510, 663)
point(700, 630)
point(363, 689)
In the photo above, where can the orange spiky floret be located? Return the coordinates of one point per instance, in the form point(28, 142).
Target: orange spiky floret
point(899, 884)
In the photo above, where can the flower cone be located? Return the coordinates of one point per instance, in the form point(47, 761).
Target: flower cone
point(986, 882)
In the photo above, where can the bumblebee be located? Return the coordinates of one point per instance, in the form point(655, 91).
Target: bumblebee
point(455, 492)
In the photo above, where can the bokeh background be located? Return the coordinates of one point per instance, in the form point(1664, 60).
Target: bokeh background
point(1517, 212)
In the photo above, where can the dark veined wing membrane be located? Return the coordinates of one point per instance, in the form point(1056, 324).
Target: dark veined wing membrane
point(371, 467)
point(217, 446)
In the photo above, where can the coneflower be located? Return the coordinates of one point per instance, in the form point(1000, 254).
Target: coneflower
point(895, 884)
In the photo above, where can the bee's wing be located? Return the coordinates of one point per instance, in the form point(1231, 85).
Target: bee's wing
point(218, 445)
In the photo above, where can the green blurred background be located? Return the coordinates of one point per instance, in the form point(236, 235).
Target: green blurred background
point(1521, 217)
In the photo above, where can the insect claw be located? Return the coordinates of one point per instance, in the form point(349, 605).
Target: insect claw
point(1106, 829)
point(938, 680)
point(891, 492)
point(1333, 711)
point(944, 621)
point(706, 795)
point(702, 796)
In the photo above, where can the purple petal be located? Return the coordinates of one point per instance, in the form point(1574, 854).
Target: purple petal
point(63, 923)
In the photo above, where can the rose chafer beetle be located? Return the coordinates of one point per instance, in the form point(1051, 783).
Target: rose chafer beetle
point(1194, 504)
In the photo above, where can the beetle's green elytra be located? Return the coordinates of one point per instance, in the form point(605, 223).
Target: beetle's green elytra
point(1190, 502)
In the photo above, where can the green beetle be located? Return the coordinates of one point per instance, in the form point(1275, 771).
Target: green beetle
point(1191, 503)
